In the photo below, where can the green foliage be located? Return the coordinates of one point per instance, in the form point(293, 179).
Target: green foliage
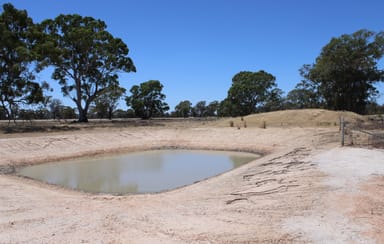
point(107, 102)
point(212, 108)
point(31, 114)
point(122, 114)
point(17, 45)
point(346, 70)
point(249, 93)
point(41, 113)
point(201, 109)
point(226, 108)
point(274, 101)
point(147, 99)
point(305, 95)
point(86, 58)
point(183, 109)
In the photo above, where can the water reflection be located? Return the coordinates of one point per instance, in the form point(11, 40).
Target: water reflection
point(141, 172)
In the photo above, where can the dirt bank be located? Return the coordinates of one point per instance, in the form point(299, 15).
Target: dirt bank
point(280, 198)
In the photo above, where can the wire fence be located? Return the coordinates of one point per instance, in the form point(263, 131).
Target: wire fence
point(363, 133)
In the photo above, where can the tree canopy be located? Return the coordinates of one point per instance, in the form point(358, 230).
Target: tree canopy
point(249, 92)
point(86, 58)
point(147, 99)
point(346, 70)
point(106, 103)
point(305, 94)
point(201, 109)
point(183, 109)
point(17, 54)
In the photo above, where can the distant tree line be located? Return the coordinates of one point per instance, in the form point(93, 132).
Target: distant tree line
point(86, 61)
point(343, 77)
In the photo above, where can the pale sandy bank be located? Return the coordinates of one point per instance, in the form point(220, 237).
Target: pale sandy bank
point(306, 189)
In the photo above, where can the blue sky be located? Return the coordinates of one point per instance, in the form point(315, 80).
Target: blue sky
point(195, 47)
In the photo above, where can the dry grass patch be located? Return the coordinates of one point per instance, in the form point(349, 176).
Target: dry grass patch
point(295, 118)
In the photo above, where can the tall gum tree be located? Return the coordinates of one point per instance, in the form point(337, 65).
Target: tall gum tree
point(107, 102)
point(183, 109)
point(86, 58)
point(147, 99)
point(347, 69)
point(249, 92)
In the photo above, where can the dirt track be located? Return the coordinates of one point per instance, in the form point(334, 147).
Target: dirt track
point(291, 195)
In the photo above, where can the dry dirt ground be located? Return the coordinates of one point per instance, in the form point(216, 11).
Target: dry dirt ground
point(306, 189)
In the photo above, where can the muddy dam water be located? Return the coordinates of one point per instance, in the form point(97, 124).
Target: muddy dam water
point(137, 172)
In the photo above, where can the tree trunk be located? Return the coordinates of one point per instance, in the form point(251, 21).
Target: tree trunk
point(7, 114)
point(83, 118)
point(110, 113)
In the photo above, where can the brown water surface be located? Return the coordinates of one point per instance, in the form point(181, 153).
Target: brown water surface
point(138, 172)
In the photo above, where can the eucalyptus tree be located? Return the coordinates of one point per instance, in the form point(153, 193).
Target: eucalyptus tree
point(304, 95)
point(273, 102)
point(200, 109)
point(212, 108)
point(147, 99)
point(249, 92)
point(347, 69)
point(85, 56)
point(108, 101)
point(18, 58)
point(183, 109)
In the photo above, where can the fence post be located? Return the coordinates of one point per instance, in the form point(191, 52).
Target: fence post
point(342, 125)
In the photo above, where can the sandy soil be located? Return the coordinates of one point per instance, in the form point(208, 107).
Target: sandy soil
point(306, 189)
